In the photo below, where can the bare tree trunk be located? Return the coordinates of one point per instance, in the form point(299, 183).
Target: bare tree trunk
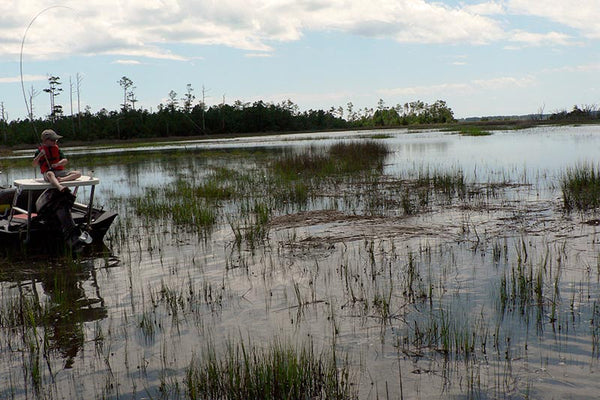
point(52, 107)
point(3, 121)
point(222, 115)
point(33, 93)
point(71, 101)
point(203, 109)
point(78, 78)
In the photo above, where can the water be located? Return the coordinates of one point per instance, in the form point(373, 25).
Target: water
point(416, 299)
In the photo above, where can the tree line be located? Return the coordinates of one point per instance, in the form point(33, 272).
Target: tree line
point(187, 116)
point(579, 113)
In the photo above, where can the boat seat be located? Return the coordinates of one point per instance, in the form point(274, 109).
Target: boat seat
point(24, 216)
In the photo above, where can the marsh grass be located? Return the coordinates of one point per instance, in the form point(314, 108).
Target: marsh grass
point(340, 158)
point(414, 290)
point(595, 329)
point(581, 187)
point(279, 371)
point(451, 183)
point(308, 164)
point(473, 131)
point(180, 203)
point(294, 182)
point(256, 193)
point(428, 187)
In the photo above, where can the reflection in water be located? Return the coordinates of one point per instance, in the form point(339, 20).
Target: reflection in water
point(71, 307)
point(57, 297)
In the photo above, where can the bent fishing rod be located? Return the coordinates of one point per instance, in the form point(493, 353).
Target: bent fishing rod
point(29, 112)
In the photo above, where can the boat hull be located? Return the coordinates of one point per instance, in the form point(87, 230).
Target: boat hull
point(60, 226)
point(47, 237)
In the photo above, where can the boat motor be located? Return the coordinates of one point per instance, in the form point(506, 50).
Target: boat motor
point(54, 207)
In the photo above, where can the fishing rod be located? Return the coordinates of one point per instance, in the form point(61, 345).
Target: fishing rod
point(30, 112)
point(43, 152)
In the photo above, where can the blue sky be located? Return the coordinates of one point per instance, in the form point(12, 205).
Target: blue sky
point(481, 57)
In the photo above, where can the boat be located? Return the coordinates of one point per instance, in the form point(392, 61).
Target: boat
point(36, 215)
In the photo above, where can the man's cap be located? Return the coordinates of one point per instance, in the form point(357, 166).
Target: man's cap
point(50, 134)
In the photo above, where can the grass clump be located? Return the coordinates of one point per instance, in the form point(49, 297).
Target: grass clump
point(295, 166)
point(359, 156)
point(259, 191)
point(473, 131)
point(581, 187)
point(340, 158)
point(178, 203)
point(280, 372)
point(450, 183)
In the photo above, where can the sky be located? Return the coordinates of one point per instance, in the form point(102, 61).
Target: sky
point(483, 58)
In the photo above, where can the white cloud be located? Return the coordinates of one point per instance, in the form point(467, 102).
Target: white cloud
point(26, 78)
point(258, 55)
point(503, 82)
point(127, 62)
point(409, 21)
point(473, 86)
point(323, 99)
point(580, 15)
point(488, 8)
point(539, 39)
point(593, 67)
point(144, 28)
point(148, 51)
point(427, 90)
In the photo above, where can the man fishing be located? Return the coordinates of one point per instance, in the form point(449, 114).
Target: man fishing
point(52, 161)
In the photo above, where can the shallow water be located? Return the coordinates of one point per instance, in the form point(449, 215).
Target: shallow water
point(415, 301)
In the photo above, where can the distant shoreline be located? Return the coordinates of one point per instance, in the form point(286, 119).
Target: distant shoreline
point(488, 125)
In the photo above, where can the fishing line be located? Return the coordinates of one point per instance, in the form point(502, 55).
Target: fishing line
point(29, 112)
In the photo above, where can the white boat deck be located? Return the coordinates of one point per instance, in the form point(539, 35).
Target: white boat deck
point(40, 183)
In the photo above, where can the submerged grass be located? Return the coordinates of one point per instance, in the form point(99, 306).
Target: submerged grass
point(279, 372)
